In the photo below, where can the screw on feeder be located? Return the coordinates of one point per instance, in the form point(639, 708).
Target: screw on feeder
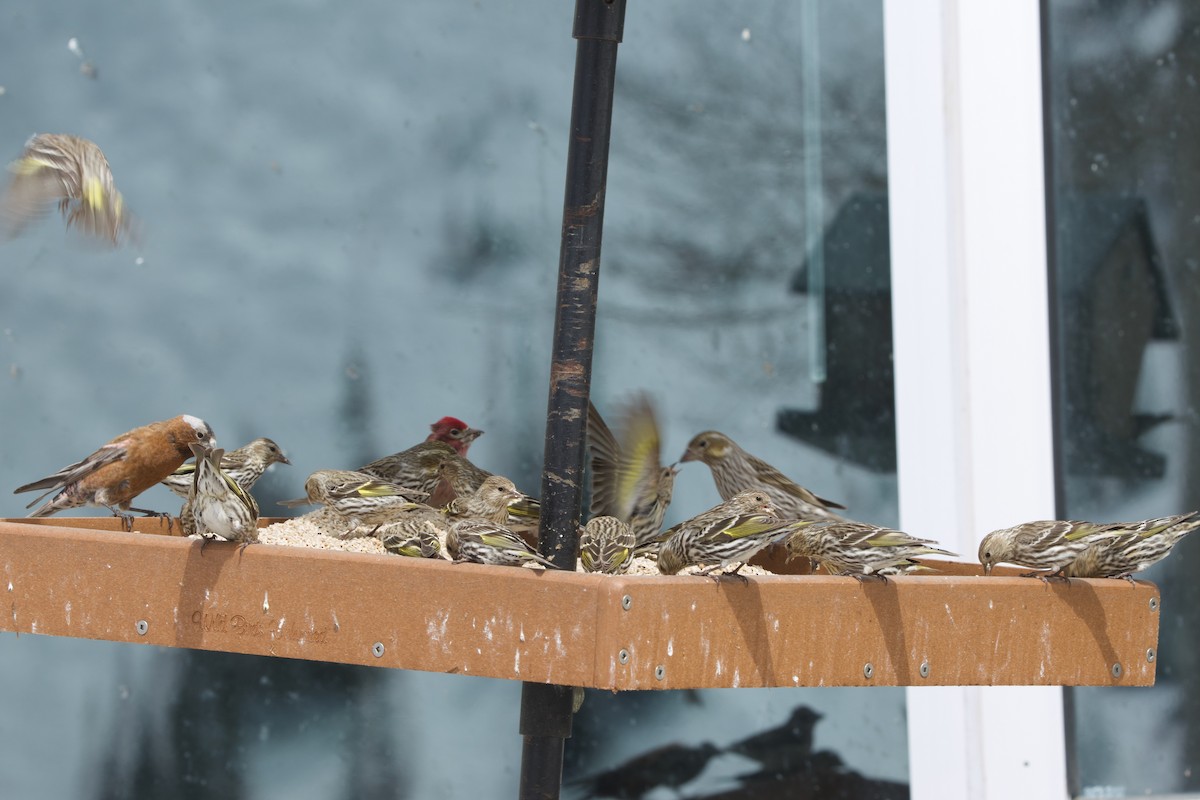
point(142, 627)
point(868, 670)
point(1116, 670)
point(660, 672)
point(623, 656)
point(626, 602)
point(377, 649)
point(1150, 655)
point(1154, 604)
point(924, 669)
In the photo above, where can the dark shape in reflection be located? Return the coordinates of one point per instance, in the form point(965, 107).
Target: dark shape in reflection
point(1111, 301)
point(817, 776)
point(671, 766)
point(782, 748)
point(855, 417)
point(224, 709)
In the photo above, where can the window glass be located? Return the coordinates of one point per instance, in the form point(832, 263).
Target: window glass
point(348, 227)
point(1123, 118)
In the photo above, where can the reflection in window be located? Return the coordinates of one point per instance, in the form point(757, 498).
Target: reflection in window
point(351, 229)
point(1124, 117)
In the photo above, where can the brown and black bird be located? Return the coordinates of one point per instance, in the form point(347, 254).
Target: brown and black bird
point(122, 469)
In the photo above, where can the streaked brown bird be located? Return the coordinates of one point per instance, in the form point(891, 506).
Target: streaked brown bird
point(356, 497)
point(72, 171)
point(489, 502)
point(606, 545)
point(414, 538)
point(489, 543)
point(1045, 544)
point(731, 532)
point(122, 469)
point(734, 470)
point(217, 504)
point(420, 467)
point(245, 465)
point(629, 481)
point(1130, 547)
point(860, 550)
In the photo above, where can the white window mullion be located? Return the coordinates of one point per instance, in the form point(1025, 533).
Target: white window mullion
point(972, 349)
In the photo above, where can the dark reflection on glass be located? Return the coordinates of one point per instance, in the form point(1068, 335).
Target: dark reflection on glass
point(777, 762)
point(1124, 122)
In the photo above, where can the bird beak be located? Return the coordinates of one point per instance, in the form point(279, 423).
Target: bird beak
point(471, 434)
point(688, 455)
point(987, 569)
point(283, 459)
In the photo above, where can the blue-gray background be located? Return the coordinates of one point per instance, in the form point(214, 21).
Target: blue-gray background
point(351, 222)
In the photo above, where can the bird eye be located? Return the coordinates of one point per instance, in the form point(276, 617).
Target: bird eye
point(455, 432)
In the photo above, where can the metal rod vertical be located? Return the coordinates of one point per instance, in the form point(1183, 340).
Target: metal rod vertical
point(546, 709)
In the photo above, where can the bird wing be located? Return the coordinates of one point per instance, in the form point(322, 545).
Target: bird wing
point(773, 477)
point(373, 488)
point(639, 456)
point(605, 461)
point(109, 453)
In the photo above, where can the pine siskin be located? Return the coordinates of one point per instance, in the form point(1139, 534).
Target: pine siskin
point(629, 481)
point(489, 502)
point(455, 433)
point(733, 531)
point(606, 545)
point(1130, 547)
point(420, 467)
point(357, 497)
point(858, 549)
point(1048, 544)
point(489, 543)
point(122, 469)
point(245, 465)
point(218, 505)
point(734, 470)
point(72, 171)
point(415, 538)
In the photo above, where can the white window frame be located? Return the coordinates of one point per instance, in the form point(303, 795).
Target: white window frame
point(971, 332)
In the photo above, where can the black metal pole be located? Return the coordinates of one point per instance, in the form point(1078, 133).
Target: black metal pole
point(546, 709)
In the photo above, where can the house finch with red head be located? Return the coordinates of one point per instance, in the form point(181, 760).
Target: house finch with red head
point(72, 171)
point(455, 433)
point(860, 550)
point(245, 465)
point(122, 469)
point(217, 504)
point(629, 481)
point(734, 470)
point(730, 532)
